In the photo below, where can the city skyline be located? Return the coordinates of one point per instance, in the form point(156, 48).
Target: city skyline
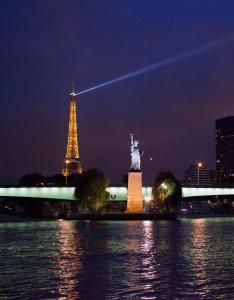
point(172, 110)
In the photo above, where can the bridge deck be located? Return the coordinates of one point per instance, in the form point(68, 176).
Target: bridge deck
point(116, 193)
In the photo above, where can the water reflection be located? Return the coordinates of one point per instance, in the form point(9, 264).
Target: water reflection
point(188, 259)
point(140, 267)
point(150, 265)
point(198, 253)
point(68, 265)
point(131, 263)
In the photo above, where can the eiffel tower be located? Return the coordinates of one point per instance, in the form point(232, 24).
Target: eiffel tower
point(72, 163)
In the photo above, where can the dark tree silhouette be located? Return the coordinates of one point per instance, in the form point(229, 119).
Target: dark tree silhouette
point(32, 179)
point(125, 179)
point(167, 192)
point(57, 179)
point(91, 190)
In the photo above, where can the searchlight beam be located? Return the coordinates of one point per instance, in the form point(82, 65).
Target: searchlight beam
point(165, 62)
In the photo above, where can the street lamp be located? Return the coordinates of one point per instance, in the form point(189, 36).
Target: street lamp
point(66, 162)
point(219, 173)
point(199, 165)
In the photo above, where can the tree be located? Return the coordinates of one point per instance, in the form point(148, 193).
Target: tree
point(32, 180)
point(91, 190)
point(57, 179)
point(167, 192)
point(125, 179)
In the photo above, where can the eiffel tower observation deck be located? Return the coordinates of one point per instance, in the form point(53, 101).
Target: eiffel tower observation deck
point(72, 163)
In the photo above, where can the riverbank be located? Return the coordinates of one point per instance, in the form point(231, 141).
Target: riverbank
point(111, 217)
point(123, 216)
point(101, 217)
point(12, 218)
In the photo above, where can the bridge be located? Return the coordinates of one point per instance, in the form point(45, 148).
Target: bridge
point(117, 193)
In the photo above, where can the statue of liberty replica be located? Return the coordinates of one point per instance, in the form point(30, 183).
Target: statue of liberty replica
point(136, 154)
point(135, 203)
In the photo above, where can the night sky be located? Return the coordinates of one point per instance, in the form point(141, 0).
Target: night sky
point(46, 45)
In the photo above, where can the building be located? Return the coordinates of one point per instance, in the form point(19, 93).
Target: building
point(225, 150)
point(198, 175)
point(72, 163)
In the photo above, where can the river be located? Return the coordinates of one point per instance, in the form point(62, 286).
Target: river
point(184, 259)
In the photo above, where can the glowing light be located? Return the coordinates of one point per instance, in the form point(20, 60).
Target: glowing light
point(199, 164)
point(147, 199)
point(163, 185)
point(165, 62)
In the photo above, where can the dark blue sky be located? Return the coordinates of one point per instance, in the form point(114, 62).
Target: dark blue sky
point(45, 45)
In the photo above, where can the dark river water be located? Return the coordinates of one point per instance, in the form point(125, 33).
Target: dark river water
point(185, 259)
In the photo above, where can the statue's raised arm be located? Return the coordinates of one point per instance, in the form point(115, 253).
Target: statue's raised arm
point(131, 138)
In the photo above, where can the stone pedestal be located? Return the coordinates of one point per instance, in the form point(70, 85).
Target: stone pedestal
point(135, 203)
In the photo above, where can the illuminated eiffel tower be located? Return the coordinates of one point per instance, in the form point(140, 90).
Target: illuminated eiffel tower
point(72, 163)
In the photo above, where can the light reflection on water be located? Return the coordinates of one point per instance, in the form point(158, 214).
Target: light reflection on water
point(150, 265)
point(198, 254)
point(68, 260)
point(187, 259)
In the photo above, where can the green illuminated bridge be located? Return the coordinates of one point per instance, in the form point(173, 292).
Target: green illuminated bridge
point(116, 193)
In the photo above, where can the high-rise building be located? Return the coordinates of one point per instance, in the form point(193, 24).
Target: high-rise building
point(225, 150)
point(198, 175)
point(72, 162)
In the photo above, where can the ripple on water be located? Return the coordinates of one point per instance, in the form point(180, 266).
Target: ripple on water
point(187, 259)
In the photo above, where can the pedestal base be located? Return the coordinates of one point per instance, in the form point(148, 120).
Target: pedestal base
point(135, 203)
